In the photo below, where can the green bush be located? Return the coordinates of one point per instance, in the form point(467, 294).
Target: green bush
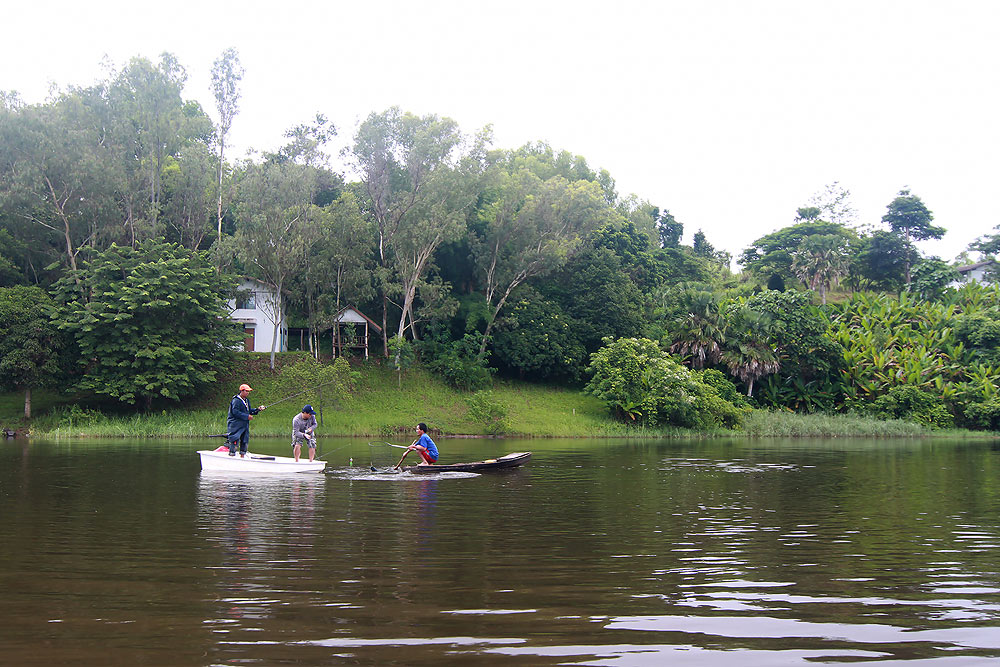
point(642, 383)
point(912, 404)
point(459, 366)
point(984, 415)
point(486, 409)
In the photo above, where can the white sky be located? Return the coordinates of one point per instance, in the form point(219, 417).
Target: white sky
point(729, 113)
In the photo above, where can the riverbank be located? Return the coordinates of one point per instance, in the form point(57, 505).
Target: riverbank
point(385, 404)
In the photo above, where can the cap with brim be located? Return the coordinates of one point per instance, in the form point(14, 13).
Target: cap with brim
point(245, 387)
point(309, 409)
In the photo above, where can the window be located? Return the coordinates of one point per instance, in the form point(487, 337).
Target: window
point(246, 300)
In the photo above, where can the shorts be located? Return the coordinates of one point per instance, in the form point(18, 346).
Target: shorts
point(297, 439)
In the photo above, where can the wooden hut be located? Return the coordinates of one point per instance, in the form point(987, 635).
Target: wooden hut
point(352, 331)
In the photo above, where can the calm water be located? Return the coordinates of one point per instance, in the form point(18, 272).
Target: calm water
point(720, 552)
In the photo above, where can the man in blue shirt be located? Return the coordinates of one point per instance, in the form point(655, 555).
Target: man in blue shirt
point(425, 446)
point(238, 424)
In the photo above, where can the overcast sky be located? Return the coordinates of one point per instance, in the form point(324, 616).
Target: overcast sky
point(731, 114)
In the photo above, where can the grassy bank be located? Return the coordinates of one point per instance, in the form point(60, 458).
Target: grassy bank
point(384, 404)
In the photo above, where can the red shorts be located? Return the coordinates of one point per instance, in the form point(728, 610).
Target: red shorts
point(425, 456)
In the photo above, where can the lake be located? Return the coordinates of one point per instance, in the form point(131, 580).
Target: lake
point(597, 552)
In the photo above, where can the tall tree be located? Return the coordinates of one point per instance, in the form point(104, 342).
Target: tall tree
point(531, 229)
point(409, 169)
point(338, 267)
point(881, 260)
point(227, 72)
point(148, 126)
point(907, 214)
point(697, 332)
point(834, 204)
point(188, 208)
point(54, 166)
point(274, 233)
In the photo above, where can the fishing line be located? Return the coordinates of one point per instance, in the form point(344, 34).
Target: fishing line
point(304, 391)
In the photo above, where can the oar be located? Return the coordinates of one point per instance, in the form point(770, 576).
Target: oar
point(401, 459)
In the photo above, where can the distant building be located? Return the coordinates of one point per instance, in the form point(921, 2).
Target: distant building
point(258, 309)
point(975, 272)
point(354, 328)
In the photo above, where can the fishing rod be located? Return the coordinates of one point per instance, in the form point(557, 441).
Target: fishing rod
point(304, 391)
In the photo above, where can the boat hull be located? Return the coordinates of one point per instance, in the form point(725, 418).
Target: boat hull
point(508, 461)
point(257, 463)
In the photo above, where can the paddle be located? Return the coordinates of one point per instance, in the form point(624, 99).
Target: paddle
point(401, 459)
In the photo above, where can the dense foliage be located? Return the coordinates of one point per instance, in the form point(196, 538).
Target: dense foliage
point(474, 260)
point(149, 322)
point(30, 344)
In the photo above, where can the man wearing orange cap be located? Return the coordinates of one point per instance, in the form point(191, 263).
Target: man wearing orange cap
point(238, 426)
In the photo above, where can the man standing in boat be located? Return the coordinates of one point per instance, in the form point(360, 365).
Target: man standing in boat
point(238, 425)
point(304, 428)
point(425, 446)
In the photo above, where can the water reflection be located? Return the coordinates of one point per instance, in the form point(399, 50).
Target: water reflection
point(264, 528)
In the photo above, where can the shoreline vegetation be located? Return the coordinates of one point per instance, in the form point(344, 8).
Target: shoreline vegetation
point(385, 404)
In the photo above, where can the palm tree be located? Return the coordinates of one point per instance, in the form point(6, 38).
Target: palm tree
point(821, 262)
point(698, 335)
point(749, 354)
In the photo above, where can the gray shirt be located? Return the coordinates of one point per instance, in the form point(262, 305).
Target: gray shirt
point(300, 425)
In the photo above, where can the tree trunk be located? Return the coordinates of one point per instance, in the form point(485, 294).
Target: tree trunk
point(27, 403)
point(279, 316)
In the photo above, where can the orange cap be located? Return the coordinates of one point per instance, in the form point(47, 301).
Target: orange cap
point(245, 387)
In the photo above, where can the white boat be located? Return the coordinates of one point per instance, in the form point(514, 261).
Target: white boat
point(256, 463)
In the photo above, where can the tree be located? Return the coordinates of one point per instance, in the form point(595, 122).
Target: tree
point(749, 352)
point(821, 261)
point(30, 344)
point(536, 339)
point(881, 260)
point(670, 231)
point(275, 229)
point(150, 322)
point(54, 166)
point(833, 203)
point(227, 72)
point(420, 178)
point(338, 266)
point(529, 230)
point(596, 290)
point(419, 183)
point(148, 124)
point(908, 215)
point(931, 276)
point(773, 254)
point(188, 185)
point(697, 333)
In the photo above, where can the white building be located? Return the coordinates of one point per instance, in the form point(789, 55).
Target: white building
point(975, 272)
point(258, 308)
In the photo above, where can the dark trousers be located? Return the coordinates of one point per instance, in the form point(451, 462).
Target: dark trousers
point(238, 435)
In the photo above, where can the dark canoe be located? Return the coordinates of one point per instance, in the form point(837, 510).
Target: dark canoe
point(508, 461)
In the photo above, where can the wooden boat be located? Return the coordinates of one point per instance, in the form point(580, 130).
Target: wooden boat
point(507, 461)
point(256, 463)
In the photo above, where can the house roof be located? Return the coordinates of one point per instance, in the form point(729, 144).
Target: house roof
point(972, 267)
point(351, 309)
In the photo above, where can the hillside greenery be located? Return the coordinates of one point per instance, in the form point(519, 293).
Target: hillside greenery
point(516, 290)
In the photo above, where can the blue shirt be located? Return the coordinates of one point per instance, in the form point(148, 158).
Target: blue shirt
point(425, 441)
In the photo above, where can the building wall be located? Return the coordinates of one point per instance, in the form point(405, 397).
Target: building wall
point(256, 313)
